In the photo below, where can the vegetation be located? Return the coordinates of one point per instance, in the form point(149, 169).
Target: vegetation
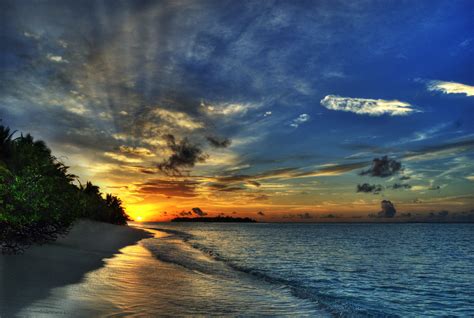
point(224, 219)
point(39, 199)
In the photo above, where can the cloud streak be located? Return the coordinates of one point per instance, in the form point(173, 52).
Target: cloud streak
point(365, 106)
point(450, 88)
point(169, 188)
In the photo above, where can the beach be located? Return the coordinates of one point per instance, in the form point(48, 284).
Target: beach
point(153, 276)
point(31, 276)
point(244, 269)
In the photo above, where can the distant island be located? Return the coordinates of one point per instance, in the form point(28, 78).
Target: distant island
point(227, 219)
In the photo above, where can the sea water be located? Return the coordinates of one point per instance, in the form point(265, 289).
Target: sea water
point(314, 270)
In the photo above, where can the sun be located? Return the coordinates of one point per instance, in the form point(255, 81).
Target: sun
point(139, 219)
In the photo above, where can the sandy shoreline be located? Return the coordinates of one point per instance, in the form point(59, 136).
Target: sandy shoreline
point(31, 276)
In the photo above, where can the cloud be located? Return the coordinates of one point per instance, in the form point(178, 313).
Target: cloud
point(267, 113)
point(169, 188)
point(291, 173)
point(136, 151)
point(228, 109)
point(122, 158)
point(441, 214)
point(257, 184)
point(299, 120)
point(218, 142)
point(396, 186)
point(177, 119)
point(56, 58)
point(369, 188)
point(364, 106)
point(328, 216)
point(450, 88)
point(303, 216)
point(261, 213)
point(184, 155)
point(434, 152)
point(261, 197)
point(383, 167)
point(199, 212)
point(388, 209)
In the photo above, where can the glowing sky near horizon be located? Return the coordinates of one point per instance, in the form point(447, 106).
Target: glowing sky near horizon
point(284, 103)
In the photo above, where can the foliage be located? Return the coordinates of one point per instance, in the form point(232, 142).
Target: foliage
point(38, 198)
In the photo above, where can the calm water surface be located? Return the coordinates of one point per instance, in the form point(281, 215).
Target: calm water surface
point(348, 270)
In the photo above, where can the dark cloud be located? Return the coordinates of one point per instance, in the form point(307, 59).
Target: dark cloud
point(305, 215)
point(185, 155)
point(147, 171)
point(225, 187)
point(172, 188)
point(383, 167)
point(185, 213)
point(405, 215)
point(388, 209)
point(434, 187)
point(405, 178)
point(261, 213)
point(328, 216)
point(441, 214)
point(261, 197)
point(232, 189)
point(396, 186)
point(218, 142)
point(369, 188)
point(199, 212)
point(255, 183)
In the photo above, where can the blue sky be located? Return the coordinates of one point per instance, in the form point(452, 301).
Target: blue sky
point(306, 93)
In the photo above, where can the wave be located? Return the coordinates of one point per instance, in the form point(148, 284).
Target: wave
point(178, 248)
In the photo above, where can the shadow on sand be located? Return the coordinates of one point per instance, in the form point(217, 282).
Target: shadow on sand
point(30, 277)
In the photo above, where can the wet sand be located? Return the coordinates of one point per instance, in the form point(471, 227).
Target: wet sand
point(33, 275)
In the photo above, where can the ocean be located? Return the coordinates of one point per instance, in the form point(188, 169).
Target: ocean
point(305, 270)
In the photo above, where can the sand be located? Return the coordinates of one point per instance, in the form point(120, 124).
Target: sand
point(31, 276)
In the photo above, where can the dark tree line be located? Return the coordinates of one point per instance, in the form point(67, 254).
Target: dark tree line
point(38, 198)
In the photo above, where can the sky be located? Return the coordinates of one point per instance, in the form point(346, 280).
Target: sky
point(277, 110)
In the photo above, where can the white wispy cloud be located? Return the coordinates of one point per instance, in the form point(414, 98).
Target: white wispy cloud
point(299, 120)
point(56, 58)
point(267, 113)
point(31, 35)
point(366, 106)
point(228, 109)
point(450, 88)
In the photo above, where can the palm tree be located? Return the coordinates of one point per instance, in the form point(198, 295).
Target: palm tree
point(5, 141)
